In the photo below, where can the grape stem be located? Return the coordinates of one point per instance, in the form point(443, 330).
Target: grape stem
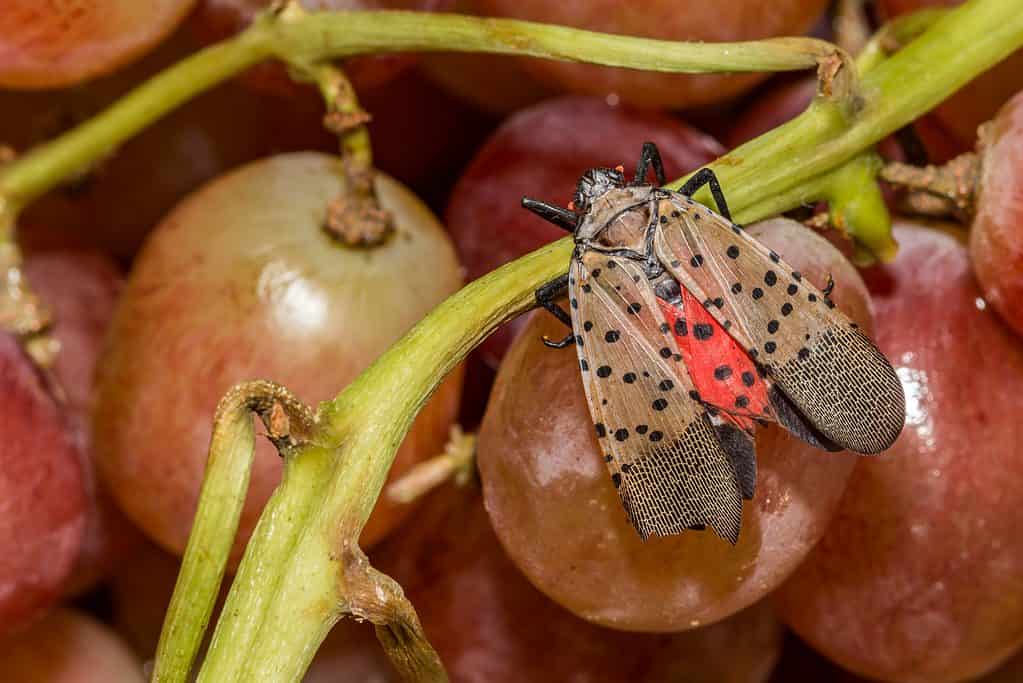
point(311, 38)
point(302, 569)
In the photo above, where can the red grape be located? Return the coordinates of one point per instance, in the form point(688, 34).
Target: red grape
point(68, 647)
point(81, 289)
point(42, 499)
point(242, 281)
point(557, 514)
point(996, 240)
point(726, 20)
point(54, 44)
point(541, 152)
point(917, 578)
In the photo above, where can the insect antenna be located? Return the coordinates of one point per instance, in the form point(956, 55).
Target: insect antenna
point(563, 218)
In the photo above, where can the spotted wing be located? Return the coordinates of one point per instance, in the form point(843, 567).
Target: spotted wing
point(831, 374)
point(662, 451)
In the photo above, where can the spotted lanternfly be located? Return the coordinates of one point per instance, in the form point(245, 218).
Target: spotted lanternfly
point(689, 332)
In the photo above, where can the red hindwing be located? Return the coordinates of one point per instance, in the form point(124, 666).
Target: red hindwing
point(722, 372)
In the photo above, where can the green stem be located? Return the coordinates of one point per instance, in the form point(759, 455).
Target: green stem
point(311, 38)
point(216, 519)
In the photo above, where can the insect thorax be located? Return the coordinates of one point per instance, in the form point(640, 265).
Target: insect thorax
point(618, 218)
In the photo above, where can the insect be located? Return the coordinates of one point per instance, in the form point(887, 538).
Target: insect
point(689, 332)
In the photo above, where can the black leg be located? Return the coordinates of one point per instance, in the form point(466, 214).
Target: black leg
point(563, 218)
point(649, 157)
point(830, 287)
point(546, 296)
point(705, 176)
point(567, 341)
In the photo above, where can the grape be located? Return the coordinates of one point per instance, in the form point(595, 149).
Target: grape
point(489, 624)
point(68, 647)
point(727, 20)
point(42, 499)
point(995, 239)
point(81, 289)
point(541, 152)
point(241, 281)
point(55, 44)
point(978, 100)
point(917, 578)
point(557, 514)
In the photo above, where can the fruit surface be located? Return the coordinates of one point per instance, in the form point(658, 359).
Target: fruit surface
point(917, 578)
point(43, 504)
point(115, 203)
point(241, 281)
point(81, 290)
point(68, 647)
point(55, 44)
point(996, 235)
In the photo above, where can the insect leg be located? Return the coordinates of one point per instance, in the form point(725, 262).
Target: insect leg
point(649, 157)
point(830, 287)
point(563, 218)
point(567, 341)
point(705, 176)
point(546, 296)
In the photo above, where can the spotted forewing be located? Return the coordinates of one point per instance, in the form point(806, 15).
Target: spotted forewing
point(661, 448)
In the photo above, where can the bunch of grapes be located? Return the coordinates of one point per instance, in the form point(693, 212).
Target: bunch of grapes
point(195, 256)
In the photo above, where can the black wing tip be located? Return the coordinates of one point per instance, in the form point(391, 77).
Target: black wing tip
point(727, 526)
point(727, 532)
point(796, 423)
point(739, 447)
point(861, 408)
